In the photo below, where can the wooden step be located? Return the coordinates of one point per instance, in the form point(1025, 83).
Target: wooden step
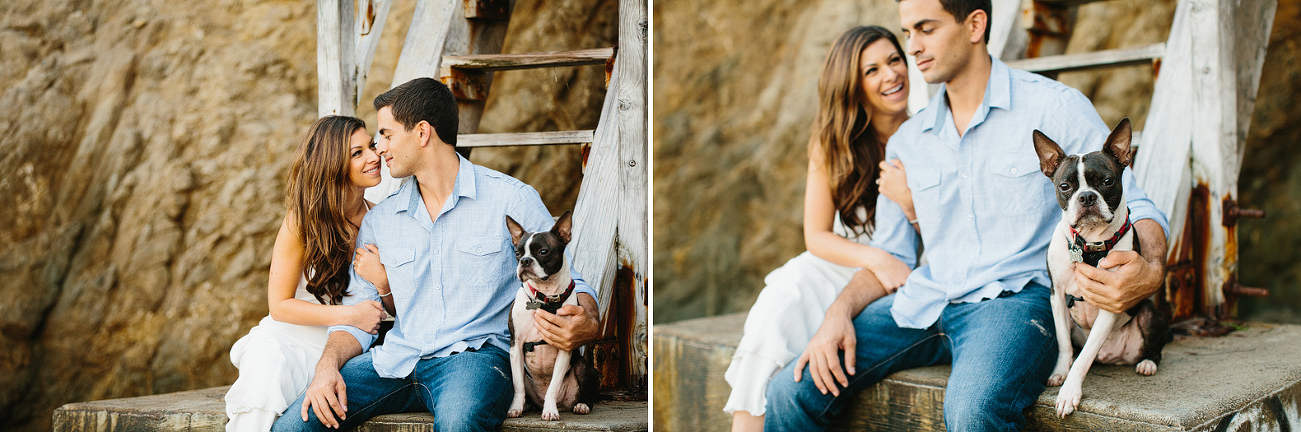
point(499, 62)
point(205, 410)
point(1091, 60)
point(1248, 380)
point(525, 138)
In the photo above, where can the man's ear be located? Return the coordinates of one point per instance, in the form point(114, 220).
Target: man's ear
point(426, 133)
point(977, 22)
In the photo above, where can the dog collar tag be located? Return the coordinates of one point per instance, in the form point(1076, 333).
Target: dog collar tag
point(532, 304)
point(1077, 254)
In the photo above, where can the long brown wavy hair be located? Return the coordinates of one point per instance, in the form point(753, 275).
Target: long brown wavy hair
point(317, 196)
point(850, 147)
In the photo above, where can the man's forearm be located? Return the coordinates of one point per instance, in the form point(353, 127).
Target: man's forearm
point(1152, 242)
point(339, 348)
point(863, 289)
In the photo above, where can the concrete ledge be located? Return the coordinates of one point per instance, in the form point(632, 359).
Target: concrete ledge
point(1248, 380)
point(204, 410)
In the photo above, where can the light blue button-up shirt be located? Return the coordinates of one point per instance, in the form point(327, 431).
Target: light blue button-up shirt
point(453, 280)
point(985, 210)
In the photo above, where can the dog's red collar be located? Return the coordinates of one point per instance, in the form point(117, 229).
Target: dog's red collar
point(1092, 252)
point(549, 300)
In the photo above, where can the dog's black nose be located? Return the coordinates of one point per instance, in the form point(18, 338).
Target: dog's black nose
point(526, 261)
point(1088, 198)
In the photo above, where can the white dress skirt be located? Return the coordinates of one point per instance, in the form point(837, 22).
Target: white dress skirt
point(276, 362)
point(787, 313)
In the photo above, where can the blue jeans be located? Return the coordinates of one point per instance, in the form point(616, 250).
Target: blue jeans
point(1002, 351)
point(468, 391)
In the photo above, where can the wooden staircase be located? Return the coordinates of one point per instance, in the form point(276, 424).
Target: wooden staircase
point(1190, 153)
point(460, 42)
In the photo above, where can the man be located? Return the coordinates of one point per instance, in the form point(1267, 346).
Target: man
point(986, 217)
point(443, 241)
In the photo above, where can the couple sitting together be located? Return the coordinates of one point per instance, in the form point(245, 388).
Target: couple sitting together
point(973, 194)
point(436, 254)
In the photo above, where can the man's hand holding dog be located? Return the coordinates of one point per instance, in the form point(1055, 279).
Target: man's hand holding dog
point(571, 326)
point(1123, 279)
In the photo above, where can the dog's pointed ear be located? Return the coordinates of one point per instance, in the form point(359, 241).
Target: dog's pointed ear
point(1050, 154)
point(1119, 143)
point(516, 231)
point(563, 226)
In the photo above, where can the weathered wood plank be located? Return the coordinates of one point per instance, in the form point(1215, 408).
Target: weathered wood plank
point(525, 138)
point(499, 62)
point(598, 197)
point(1006, 37)
point(634, 198)
point(431, 27)
point(370, 27)
point(1091, 60)
point(335, 58)
point(1162, 164)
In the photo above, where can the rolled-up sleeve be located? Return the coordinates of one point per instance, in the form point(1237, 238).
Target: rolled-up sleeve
point(359, 289)
point(533, 215)
point(892, 232)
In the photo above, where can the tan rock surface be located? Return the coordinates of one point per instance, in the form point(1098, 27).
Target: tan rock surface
point(147, 144)
point(735, 91)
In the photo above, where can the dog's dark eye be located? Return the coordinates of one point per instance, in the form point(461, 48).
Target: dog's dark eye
point(1064, 186)
point(1107, 182)
point(543, 251)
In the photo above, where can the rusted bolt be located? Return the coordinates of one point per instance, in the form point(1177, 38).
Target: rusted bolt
point(1231, 213)
point(1232, 287)
point(632, 163)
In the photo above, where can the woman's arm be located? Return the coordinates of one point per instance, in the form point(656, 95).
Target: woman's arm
point(369, 267)
point(287, 269)
point(821, 241)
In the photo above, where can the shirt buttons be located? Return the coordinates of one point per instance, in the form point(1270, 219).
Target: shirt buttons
point(971, 217)
point(435, 251)
point(1013, 170)
point(480, 250)
point(964, 175)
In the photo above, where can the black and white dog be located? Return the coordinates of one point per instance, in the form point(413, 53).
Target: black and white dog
point(1095, 221)
point(550, 378)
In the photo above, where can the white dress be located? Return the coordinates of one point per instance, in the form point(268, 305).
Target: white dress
point(787, 313)
point(276, 362)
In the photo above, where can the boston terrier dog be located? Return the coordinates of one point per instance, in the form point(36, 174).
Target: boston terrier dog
point(549, 377)
point(1095, 221)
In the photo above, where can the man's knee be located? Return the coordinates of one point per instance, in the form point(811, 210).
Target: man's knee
point(292, 421)
point(789, 402)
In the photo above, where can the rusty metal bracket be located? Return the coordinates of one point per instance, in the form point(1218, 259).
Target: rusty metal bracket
point(497, 10)
point(466, 85)
point(1232, 213)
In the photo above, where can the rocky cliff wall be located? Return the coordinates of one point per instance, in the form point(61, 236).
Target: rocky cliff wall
point(735, 91)
point(147, 143)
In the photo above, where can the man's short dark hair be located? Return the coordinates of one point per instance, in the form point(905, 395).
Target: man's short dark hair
point(423, 99)
point(961, 8)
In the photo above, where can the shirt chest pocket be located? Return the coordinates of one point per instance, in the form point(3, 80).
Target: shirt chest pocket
point(400, 269)
point(1020, 188)
point(923, 182)
point(481, 261)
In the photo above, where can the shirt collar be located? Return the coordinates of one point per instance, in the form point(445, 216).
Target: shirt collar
point(998, 94)
point(465, 186)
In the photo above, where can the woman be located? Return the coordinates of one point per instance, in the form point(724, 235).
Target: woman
point(333, 165)
point(863, 98)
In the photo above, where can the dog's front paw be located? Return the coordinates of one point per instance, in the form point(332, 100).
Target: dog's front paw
point(1056, 380)
point(1146, 367)
point(550, 413)
point(582, 408)
point(1067, 400)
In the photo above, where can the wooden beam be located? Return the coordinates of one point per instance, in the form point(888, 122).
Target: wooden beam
point(498, 62)
point(633, 229)
point(370, 27)
point(335, 58)
point(1091, 60)
point(525, 138)
point(498, 10)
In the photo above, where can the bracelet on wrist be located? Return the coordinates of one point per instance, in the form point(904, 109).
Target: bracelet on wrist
point(386, 294)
